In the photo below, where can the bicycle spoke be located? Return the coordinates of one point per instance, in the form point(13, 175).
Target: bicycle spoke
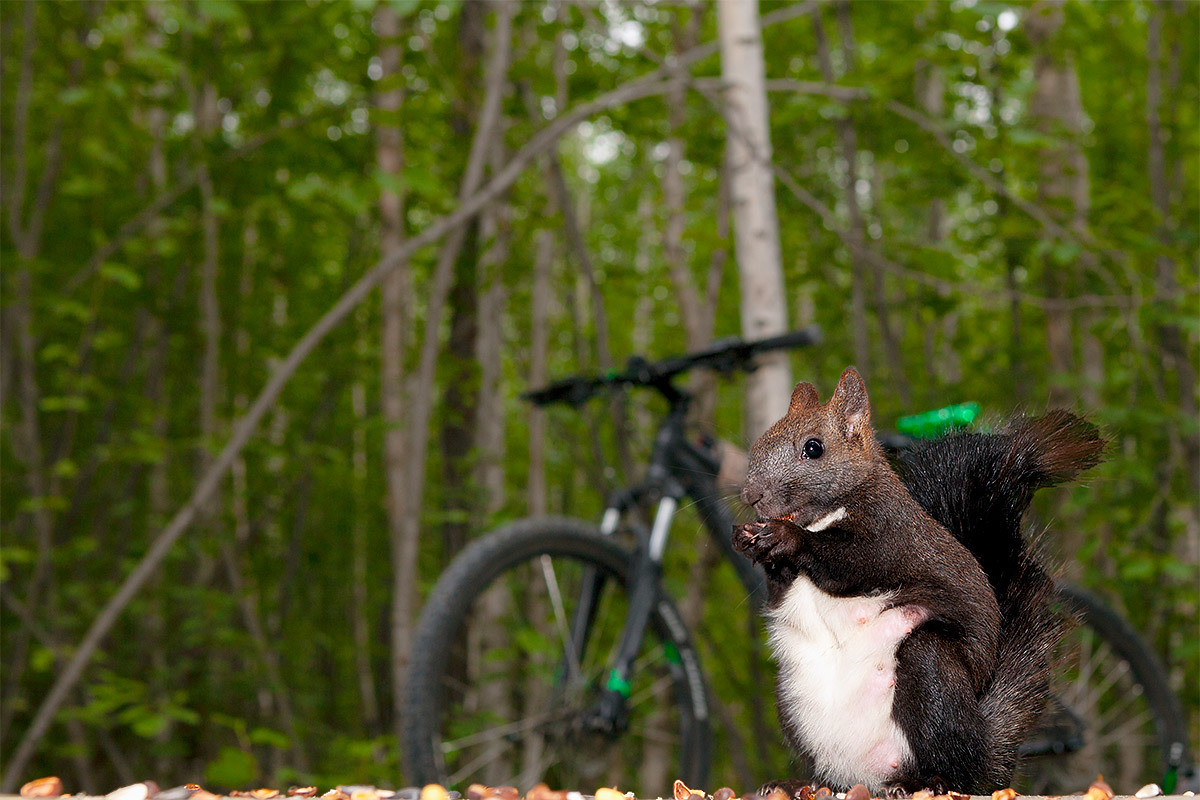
point(649, 691)
point(1114, 673)
point(560, 617)
point(1117, 734)
point(507, 729)
point(1130, 696)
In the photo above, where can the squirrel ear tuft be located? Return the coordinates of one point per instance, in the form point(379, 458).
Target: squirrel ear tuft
point(804, 397)
point(850, 403)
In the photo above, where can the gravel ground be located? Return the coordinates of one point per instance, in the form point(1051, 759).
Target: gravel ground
point(148, 790)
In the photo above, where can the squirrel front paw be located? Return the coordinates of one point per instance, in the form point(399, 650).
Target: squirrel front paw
point(758, 541)
point(751, 539)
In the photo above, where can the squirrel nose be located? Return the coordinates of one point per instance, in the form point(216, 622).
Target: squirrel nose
point(752, 494)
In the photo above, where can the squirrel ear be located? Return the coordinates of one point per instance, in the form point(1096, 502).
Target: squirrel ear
point(804, 397)
point(850, 403)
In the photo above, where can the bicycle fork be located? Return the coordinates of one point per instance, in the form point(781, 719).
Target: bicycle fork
point(610, 713)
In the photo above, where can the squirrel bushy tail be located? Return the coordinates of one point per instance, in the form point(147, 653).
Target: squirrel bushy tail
point(978, 486)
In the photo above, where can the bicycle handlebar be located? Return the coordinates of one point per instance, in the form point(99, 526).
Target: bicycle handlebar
point(724, 356)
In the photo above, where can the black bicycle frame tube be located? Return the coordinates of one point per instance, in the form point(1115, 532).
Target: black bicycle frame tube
point(697, 467)
point(647, 561)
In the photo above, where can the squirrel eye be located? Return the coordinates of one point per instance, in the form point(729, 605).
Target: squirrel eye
point(813, 448)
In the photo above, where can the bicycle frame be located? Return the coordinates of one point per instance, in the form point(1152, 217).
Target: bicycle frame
point(678, 468)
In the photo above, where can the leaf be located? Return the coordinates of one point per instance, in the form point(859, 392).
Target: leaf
point(68, 403)
point(121, 274)
point(73, 96)
point(270, 738)
point(404, 7)
point(66, 468)
point(149, 725)
point(220, 10)
point(232, 767)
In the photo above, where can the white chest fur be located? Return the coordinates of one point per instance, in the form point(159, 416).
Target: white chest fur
point(837, 662)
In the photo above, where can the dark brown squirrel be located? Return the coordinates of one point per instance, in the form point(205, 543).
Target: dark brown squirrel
point(911, 623)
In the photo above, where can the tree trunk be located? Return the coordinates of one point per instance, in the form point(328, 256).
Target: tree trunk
point(539, 339)
point(1174, 353)
point(397, 291)
point(359, 611)
point(756, 226)
point(696, 309)
point(857, 230)
point(460, 370)
point(1057, 110)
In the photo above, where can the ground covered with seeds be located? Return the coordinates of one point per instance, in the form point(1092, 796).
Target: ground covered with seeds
point(148, 790)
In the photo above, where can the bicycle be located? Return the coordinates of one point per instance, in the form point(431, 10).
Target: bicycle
point(509, 685)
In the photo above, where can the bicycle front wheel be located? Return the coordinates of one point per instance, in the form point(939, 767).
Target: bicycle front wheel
point(1112, 711)
point(510, 657)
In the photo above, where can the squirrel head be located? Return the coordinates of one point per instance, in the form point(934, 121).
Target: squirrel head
point(806, 464)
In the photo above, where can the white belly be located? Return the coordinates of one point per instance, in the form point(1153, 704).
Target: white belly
point(837, 663)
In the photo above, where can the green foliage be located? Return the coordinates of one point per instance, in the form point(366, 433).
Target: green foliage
point(255, 605)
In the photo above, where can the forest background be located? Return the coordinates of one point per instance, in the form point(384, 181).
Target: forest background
point(982, 201)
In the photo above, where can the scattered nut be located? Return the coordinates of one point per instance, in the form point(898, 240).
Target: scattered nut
point(43, 787)
point(680, 789)
point(922, 794)
point(612, 794)
point(264, 794)
point(302, 791)
point(1004, 794)
point(203, 794)
point(824, 791)
point(174, 793)
point(1149, 790)
point(724, 793)
point(858, 792)
point(134, 791)
point(777, 794)
point(1099, 790)
point(958, 796)
point(477, 791)
point(543, 792)
point(335, 794)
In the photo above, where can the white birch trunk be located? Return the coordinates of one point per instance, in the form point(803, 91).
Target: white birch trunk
point(755, 224)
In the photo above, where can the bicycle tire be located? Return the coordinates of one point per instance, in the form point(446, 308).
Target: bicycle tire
point(1117, 669)
point(481, 565)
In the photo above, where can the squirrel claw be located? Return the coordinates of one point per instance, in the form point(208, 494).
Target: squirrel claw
point(752, 539)
point(797, 789)
point(761, 541)
point(935, 786)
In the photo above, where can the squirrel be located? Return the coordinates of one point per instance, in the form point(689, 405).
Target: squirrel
point(911, 623)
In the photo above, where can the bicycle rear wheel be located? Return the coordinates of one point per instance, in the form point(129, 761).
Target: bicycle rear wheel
point(498, 695)
point(1113, 712)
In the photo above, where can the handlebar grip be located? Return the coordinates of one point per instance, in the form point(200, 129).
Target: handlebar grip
point(801, 338)
point(573, 391)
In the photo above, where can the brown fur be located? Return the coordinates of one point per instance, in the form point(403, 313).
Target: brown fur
point(972, 679)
